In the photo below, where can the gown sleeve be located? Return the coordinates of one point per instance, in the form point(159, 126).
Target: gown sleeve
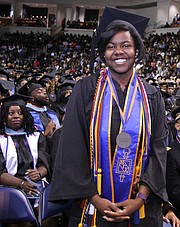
point(155, 173)
point(2, 163)
point(43, 155)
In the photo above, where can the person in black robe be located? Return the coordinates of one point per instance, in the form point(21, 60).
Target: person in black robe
point(17, 130)
point(85, 133)
point(24, 158)
point(173, 164)
point(46, 120)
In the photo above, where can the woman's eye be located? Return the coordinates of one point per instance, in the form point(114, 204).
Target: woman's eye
point(126, 46)
point(110, 47)
point(13, 113)
point(20, 113)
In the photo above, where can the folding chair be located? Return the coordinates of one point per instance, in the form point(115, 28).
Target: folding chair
point(48, 209)
point(15, 206)
point(165, 224)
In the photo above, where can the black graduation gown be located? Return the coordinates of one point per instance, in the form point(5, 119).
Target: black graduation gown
point(25, 157)
point(72, 177)
point(173, 174)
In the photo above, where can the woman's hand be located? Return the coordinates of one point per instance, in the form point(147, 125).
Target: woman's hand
point(33, 174)
point(50, 129)
point(170, 216)
point(125, 209)
point(109, 210)
point(29, 189)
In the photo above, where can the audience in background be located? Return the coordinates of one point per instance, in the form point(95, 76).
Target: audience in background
point(23, 56)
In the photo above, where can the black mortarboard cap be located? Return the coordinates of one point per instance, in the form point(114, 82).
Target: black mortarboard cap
point(53, 73)
point(36, 75)
point(29, 87)
point(176, 113)
point(67, 85)
point(67, 76)
point(21, 78)
point(163, 83)
point(48, 76)
point(20, 71)
point(110, 14)
point(14, 100)
point(4, 74)
point(177, 95)
point(7, 85)
point(2, 90)
point(151, 79)
point(165, 94)
point(171, 84)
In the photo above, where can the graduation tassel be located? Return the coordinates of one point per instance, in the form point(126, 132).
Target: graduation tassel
point(94, 219)
point(83, 214)
point(142, 212)
point(99, 180)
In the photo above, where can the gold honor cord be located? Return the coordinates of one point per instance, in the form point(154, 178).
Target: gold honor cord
point(98, 169)
point(93, 114)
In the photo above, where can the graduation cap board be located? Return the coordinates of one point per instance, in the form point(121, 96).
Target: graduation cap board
point(48, 76)
point(29, 87)
point(171, 84)
point(110, 14)
point(21, 78)
point(165, 94)
point(67, 85)
point(6, 84)
point(4, 75)
point(176, 113)
point(14, 100)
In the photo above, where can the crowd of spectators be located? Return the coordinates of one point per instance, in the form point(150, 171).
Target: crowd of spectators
point(72, 52)
point(32, 22)
point(71, 55)
point(91, 24)
point(175, 22)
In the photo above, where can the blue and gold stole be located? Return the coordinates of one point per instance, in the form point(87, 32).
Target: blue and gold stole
point(115, 178)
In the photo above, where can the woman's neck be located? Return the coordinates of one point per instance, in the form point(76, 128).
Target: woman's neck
point(122, 79)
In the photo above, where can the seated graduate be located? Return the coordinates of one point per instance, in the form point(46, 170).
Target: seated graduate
point(24, 160)
point(63, 94)
point(46, 120)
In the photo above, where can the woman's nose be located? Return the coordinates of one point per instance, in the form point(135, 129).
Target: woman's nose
point(16, 114)
point(119, 49)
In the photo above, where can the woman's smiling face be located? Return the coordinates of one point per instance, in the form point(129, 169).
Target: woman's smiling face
point(120, 53)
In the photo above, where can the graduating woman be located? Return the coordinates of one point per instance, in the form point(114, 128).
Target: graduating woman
point(111, 157)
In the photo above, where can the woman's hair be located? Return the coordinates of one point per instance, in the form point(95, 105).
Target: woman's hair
point(118, 26)
point(28, 122)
